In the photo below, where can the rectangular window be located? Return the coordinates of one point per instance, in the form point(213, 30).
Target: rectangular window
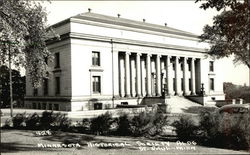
point(45, 86)
point(57, 85)
point(97, 106)
point(35, 92)
point(211, 66)
point(39, 106)
point(50, 106)
point(44, 106)
point(96, 58)
point(33, 105)
point(211, 83)
point(124, 103)
point(57, 60)
point(56, 107)
point(96, 84)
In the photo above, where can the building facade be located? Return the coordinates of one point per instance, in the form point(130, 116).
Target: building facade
point(101, 62)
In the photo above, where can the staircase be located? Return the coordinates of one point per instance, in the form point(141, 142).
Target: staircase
point(178, 104)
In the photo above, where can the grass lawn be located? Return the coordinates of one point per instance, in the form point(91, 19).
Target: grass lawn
point(26, 142)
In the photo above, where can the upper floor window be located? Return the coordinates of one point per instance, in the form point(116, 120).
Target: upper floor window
point(96, 58)
point(96, 83)
point(211, 66)
point(57, 85)
point(57, 60)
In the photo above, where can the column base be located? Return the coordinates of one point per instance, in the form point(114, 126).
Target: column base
point(127, 95)
point(138, 95)
point(148, 95)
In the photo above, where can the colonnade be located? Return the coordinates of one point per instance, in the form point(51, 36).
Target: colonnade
point(143, 74)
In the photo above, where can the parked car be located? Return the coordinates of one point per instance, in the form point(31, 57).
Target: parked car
point(235, 108)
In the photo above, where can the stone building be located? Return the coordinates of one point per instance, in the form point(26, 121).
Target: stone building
point(102, 61)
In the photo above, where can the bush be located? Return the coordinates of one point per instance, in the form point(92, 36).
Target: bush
point(18, 120)
point(225, 130)
point(46, 120)
point(185, 128)
point(33, 121)
point(148, 123)
point(60, 121)
point(123, 123)
point(101, 125)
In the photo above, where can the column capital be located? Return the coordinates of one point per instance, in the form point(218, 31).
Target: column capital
point(138, 54)
point(169, 56)
point(128, 53)
point(159, 55)
point(149, 55)
point(193, 59)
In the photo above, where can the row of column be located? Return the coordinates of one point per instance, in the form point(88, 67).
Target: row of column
point(140, 80)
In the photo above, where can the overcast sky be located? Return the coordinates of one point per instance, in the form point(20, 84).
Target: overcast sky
point(184, 15)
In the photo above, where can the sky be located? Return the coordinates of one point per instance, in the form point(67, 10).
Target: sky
point(183, 15)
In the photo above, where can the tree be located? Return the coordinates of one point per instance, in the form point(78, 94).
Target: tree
point(230, 31)
point(23, 33)
point(18, 84)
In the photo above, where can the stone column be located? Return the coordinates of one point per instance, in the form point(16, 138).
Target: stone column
point(193, 91)
point(185, 76)
point(122, 77)
point(132, 77)
point(143, 88)
point(138, 75)
point(148, 63)
point(168, 75)
point(116, 73)
point(127, 75)
point(177, 78)
point(158, 75)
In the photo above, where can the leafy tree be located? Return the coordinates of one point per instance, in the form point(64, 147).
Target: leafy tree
point(230, 31)
point(18, 83)
point(23, 27)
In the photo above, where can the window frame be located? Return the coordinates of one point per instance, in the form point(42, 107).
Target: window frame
point(96, 58)
point(211, 84)
point(96, 84)
point(57, 60)
point(211, 66)
point(57, 85)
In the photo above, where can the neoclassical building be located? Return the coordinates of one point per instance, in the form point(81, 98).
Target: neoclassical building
point(102, 61)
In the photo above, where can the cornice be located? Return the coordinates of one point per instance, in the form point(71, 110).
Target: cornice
point(134, 42)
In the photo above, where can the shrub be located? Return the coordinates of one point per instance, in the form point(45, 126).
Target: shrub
point(46, 120)
point(60, 121)
point(18, 120)
point(33, 121)
point(185, 128)
point(148, 123)
point(123, 123)
point(101, 125)
point(225, 130)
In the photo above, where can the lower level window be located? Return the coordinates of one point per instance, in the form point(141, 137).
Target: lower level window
point(97, 106)
point(33, 105)
point(56, 107)
point(124, 103)
point(44, 106)
point(50, 106)
point(96, 84)
point(211, 81)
